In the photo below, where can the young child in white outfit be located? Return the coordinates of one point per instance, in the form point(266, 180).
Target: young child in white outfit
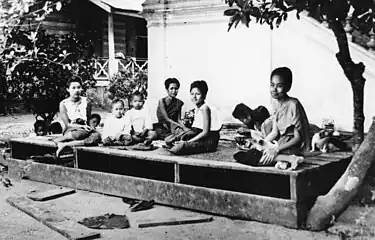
point(115, 126)
point(139, 124)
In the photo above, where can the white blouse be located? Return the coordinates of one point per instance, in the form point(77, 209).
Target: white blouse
point(76, 110)
point(113, 126)
point(198, 118)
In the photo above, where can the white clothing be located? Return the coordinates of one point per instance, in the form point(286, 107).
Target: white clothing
point(76, 110)
point(113, 126)
point(198, 118)
point(138, 119)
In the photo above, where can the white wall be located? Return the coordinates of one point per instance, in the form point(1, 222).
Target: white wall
point(237, 65)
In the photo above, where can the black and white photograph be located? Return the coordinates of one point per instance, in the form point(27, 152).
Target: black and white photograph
point(187, 119)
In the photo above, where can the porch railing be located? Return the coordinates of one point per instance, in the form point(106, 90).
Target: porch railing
point(134, 65)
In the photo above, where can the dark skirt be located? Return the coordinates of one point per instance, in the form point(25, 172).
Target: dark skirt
point(206, 144)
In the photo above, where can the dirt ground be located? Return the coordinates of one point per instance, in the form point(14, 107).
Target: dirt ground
point(357, 221)
point(17, 225)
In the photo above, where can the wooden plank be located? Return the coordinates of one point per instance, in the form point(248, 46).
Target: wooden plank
point(310, 184)
point(337, 155)
point(34, 141)
point(50, 194)
point(172, 221)
point(176, 173)
point(227, 203)
point(334, 157)
point(75, 158)
point(112, 62)
point(52, 219)
point(103, 6)
point(185, 160)
point(316, 161)
point(293, 187)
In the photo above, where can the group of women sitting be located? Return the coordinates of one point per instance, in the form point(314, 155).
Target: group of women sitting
point(287, 129)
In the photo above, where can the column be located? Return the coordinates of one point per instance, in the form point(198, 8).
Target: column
point(112, 62)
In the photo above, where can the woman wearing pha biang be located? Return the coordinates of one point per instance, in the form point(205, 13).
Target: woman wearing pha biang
point(205, 132)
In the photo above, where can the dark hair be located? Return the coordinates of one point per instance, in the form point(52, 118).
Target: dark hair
point(241, 111)
point(95, 115)
point(115, 101)
point(74, 79)
point(137, 93)
point(40, 123)
point(201, 85)
point(260, 114)
point(169, 81)
point(286, 74)
point(55, 128)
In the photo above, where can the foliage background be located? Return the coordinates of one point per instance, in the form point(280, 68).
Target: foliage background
point(37, 65)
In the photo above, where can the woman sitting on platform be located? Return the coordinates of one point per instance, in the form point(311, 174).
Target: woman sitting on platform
point(169, 110)
point(205, 132)
point(80, 125)
point(290, 126)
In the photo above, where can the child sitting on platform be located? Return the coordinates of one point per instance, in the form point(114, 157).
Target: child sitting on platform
point(257, 119)
point(205, 132)
point(115, 125)
point(75, 112)
point(169, 110)
point(290, 127)
point(40, 128)
point(138, 121)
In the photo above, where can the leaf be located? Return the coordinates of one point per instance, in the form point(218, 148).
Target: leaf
point(45, 7)
point(231, 12)
point(58, 6)
point(298, 16)
point(236, 23)
point(234, 20)
point(240, 3)
point(40, 18)
point(285, 16)
point(278, 21)
point(229, 2)
point(246, 19)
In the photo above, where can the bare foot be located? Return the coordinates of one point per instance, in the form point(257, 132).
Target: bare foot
point(295, 162)
point(58, 139)
point(60, 147)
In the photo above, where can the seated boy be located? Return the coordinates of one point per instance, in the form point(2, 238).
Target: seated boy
point(114, 126)
point(257, 119)
point(138, 121)
point(40, 128)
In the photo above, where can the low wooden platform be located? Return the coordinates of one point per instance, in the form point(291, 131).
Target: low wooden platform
point(207, 182)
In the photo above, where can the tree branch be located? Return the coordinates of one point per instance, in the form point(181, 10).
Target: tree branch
point(351, 70)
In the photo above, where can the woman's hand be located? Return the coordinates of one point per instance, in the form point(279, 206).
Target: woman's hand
point(269, 155)
point(86, 128)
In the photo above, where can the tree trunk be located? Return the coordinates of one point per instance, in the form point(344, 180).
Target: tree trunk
point(330, 206)
point(354, 73)
point(2, 89)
